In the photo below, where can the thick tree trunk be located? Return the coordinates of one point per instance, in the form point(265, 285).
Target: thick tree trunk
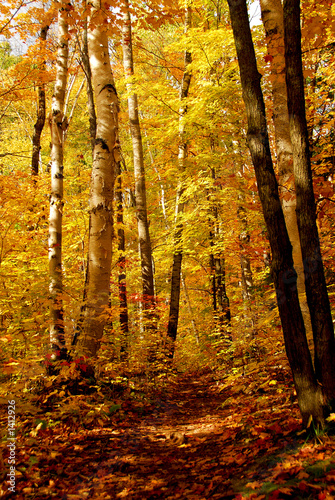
point(316, 289)
point(41, 113)
point(284, 276)
point(178, 252)
point(57, 125)
point(93, 129)
point(272, 16)
point(140, 190)
point(105, 157)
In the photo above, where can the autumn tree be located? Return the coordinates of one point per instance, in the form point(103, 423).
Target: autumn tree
point(182, 155)
point(58, 125)
point(139, 172)
point(105, 157)
point(316, 289)
point(41, 114)
point(122, 282)
point(284, 275)
point(272, 16)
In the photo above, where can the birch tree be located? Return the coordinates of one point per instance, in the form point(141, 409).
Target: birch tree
point(106, 154)
point(58, 125)
point(139, 172)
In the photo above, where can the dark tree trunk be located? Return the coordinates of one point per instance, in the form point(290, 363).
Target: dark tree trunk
point(316, 290)
point(284, 276)
point(222, 298)
point(39, 125)
point(246, 273)
point(178, 253)
point(123, 315)
point(221, 305)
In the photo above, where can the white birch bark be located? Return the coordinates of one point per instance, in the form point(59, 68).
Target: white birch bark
point(57, 126)
point(105, 156)
point(139, 172)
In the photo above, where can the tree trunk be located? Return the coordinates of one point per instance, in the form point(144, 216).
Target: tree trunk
point(39, 125)
point(140, 191)
point(272, 16)
point(190, 312)
point(105, 157)
point(123, 315)
point(57, 125)
point(284, 276)
point(246, 271)
point(221, 307)
point(244, 237)
point(178, 252)
point(316, 289)
point(93, 129)
point(89, 88)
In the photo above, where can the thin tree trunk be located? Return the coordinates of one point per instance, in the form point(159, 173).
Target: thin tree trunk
point(89, 88)
point(246, 271)
point(221, 305)
point(272, 16)
point(178, 252)
point(105, 157)
point(74, 105)
point(41, 113)
point(244, 237)
point(123, 315)
point(189, 307)
point(284, 276)
point(140, 190)
point(58, 125)
point(316, 289)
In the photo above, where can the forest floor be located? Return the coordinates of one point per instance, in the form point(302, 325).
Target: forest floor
point(202, 435)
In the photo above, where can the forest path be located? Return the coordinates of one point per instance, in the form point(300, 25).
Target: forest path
point(172, 452)
point(200, 438)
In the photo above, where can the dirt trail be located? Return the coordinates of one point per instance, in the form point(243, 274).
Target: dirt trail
point(199, 439)
point(172, 453)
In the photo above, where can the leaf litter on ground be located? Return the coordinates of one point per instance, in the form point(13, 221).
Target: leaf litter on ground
point(197, 435)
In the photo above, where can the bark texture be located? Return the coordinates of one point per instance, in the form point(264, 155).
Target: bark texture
point(57, 126)
point(272, 17)
point(139, 172)
point(178, 252)
point(316, 289)
point(106, 154)
point(284, 276)
point(41, 114)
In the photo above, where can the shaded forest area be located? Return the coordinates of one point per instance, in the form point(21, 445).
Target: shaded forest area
point(166, 249)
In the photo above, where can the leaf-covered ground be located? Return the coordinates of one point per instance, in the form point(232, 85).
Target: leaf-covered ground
point(194, 436)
